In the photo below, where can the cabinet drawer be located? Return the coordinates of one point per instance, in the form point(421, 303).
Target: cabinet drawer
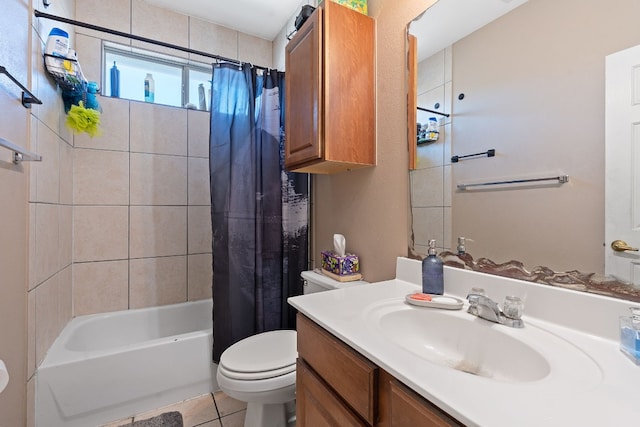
point(351, 375)
point(317, 406)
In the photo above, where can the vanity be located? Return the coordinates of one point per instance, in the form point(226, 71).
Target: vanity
point(367, 358)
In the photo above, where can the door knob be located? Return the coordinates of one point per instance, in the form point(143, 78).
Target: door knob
point(621, 246)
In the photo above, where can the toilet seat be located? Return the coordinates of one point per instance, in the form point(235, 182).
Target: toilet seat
point(266, 355)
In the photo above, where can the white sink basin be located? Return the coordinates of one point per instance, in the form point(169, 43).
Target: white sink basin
point(460, 341)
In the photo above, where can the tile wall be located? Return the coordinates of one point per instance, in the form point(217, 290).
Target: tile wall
point(431, 180)
point(121, 220)
point(50, 207)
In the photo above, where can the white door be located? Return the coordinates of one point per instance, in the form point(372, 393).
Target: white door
point(622, 186)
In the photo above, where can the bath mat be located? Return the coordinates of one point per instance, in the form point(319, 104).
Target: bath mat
point(168, 419)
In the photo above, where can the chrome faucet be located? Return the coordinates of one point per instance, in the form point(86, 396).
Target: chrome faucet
point(484, 307)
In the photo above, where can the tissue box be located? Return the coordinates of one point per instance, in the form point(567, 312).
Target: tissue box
point(341, 266)
point(357, 5)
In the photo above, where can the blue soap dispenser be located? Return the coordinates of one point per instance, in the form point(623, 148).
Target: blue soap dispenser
point(432, 272)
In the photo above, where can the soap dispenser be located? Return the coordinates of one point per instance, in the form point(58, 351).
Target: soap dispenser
point(461, 246)
point(432, 272)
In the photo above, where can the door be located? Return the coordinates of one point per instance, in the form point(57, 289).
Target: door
point(622, 150)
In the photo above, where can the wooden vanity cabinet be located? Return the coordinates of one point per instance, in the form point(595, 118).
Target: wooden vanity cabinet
point(330, 92)
point(337, 386)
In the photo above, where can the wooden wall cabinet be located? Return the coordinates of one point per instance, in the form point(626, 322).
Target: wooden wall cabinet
point(330, 92)
point(337, 386)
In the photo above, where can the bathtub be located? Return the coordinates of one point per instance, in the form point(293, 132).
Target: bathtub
point(106, 367)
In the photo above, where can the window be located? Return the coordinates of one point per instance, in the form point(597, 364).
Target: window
point(178, 82)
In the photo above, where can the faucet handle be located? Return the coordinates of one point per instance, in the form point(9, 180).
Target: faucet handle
point(474, 293)
point(512, 307)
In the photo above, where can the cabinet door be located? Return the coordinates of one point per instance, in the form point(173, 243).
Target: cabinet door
point(317, 405)
point(406, 408)
point(303, 94)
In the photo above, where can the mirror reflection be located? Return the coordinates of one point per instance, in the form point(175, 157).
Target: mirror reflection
point(530, 84)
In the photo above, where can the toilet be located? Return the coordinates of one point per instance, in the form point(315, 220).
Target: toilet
point(261, 369)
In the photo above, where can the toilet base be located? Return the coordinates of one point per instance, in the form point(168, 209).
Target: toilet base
point(270, 414)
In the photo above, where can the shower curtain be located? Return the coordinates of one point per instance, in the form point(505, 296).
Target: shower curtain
point(258, 210)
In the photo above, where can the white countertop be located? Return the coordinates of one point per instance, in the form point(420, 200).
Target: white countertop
point(590, 383)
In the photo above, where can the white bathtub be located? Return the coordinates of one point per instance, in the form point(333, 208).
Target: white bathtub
point(105, 367)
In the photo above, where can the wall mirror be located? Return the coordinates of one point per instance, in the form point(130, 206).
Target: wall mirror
point(528, 83)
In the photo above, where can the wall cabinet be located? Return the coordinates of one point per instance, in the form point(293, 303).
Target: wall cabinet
point(335, 385)
point(330, 92)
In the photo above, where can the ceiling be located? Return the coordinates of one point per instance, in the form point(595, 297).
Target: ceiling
point(261, 18)
point(444, 23)
point(447, 21)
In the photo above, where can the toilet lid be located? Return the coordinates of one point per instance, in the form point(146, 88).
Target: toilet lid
point(261, 354)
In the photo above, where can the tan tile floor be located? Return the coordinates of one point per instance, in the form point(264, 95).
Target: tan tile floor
point(208, 410)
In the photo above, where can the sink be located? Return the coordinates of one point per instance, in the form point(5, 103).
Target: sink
point(457, 340)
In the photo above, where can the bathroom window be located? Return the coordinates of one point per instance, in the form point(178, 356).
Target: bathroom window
point(177, 82)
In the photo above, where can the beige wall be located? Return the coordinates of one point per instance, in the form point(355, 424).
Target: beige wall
point(534, 86)
point(369, 206)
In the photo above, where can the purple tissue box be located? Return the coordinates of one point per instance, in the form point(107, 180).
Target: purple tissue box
point(341, 266)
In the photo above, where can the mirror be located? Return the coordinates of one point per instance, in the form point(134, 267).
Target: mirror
point(530, 85)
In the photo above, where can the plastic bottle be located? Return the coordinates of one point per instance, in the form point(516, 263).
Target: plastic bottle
point(432, 272)
point(461, 246)
point(115, 81)
point(149, 88)
point(432, 129)
point(57, 43)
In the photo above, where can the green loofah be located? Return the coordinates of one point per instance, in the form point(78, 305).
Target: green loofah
point(80, 119)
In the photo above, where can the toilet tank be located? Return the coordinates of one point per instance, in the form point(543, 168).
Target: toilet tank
point(315, 281)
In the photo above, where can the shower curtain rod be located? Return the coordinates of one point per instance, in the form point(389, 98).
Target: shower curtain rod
point(39, 14)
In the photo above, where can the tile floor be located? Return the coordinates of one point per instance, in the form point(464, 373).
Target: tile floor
point(208, 410)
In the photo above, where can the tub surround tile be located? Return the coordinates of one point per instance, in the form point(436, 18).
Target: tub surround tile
point(47, 318)
point(100, 233)
point(198, 133)
point(65, 300)
point(66, 173)
point(431, 72)
point(114, 122)
point(65, 236)
point(158, 129)
point(47, 241)
point(159, 24)
point(100, 287)
point(114, 14)
point(428, 224)
point(89, 51)
point(199, 276)
point(31, 333)
point(101, 177)
point(158, 179)
point(431, 194)
point(48, 172)
point(33, 273)
point(199, 193)
point(157, 281)
point(200, 233)
point(158, 231)
point(208, 37)
point(254, 50)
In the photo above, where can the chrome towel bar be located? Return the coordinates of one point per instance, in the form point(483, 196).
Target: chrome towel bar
point(19, 153)
point(562, 179)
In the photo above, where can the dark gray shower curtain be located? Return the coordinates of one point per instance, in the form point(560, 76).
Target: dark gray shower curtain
point(258, 211)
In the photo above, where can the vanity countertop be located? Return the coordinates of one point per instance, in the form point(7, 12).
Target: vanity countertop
point(590, 382)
